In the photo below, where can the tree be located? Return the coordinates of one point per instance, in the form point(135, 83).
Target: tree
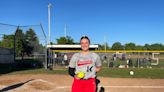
point(7, 41)
point(156, 46)
point(31, 42)
point(65, 40)
point(139, 47)
point(117, 46)
point(147, 47)
point(25, 43)
point(130, 46)
point(19, 40)
point(102, 47)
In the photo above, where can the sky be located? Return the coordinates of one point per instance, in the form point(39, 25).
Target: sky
point(137, 21)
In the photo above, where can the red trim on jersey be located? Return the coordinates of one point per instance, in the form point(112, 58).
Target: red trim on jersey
point(80, 63)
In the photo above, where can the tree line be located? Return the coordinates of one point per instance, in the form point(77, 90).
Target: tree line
point(25, 43)
point(116, 45)
point(133, 46)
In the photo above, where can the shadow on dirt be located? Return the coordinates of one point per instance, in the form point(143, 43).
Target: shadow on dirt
point(14, 86)
point(20, 65)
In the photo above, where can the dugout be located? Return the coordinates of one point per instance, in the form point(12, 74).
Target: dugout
point(53, 49)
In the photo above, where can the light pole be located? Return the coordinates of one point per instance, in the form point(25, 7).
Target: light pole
point(49, 34)
point(49, 22)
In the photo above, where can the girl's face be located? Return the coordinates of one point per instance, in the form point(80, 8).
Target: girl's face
point(84, 44)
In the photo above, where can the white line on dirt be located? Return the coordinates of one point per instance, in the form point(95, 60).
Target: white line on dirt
point(133, 86)
point(1, 87)
point(41, 80)
point(148, 87)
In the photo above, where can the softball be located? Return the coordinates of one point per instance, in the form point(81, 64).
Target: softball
point(81, 75)
point(131, 73)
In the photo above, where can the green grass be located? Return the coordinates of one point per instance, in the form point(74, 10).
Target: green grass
point(154, 73)
point(19, 66)
point(138, 73)
point(41, 71)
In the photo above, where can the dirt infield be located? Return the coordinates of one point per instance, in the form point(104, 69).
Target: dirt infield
point(62, 83)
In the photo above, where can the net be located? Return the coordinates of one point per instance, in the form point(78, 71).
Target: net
point(28, 44)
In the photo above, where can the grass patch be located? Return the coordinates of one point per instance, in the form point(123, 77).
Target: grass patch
point(26, 67)
point(154, 73)
point(41, 71)
point(19, 65)
point(138, 73)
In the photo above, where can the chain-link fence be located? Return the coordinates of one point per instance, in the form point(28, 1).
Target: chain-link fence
point(116, 59)
point(132, 59)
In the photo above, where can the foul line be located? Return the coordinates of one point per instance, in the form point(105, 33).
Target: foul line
point(146, 87)
point(133, 86)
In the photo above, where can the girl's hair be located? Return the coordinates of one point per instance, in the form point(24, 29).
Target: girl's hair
point(85, 37)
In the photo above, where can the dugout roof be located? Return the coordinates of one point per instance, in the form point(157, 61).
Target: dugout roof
point(70, 47)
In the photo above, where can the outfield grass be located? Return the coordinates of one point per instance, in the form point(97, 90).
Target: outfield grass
point(138, 73)
point(156, 72)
